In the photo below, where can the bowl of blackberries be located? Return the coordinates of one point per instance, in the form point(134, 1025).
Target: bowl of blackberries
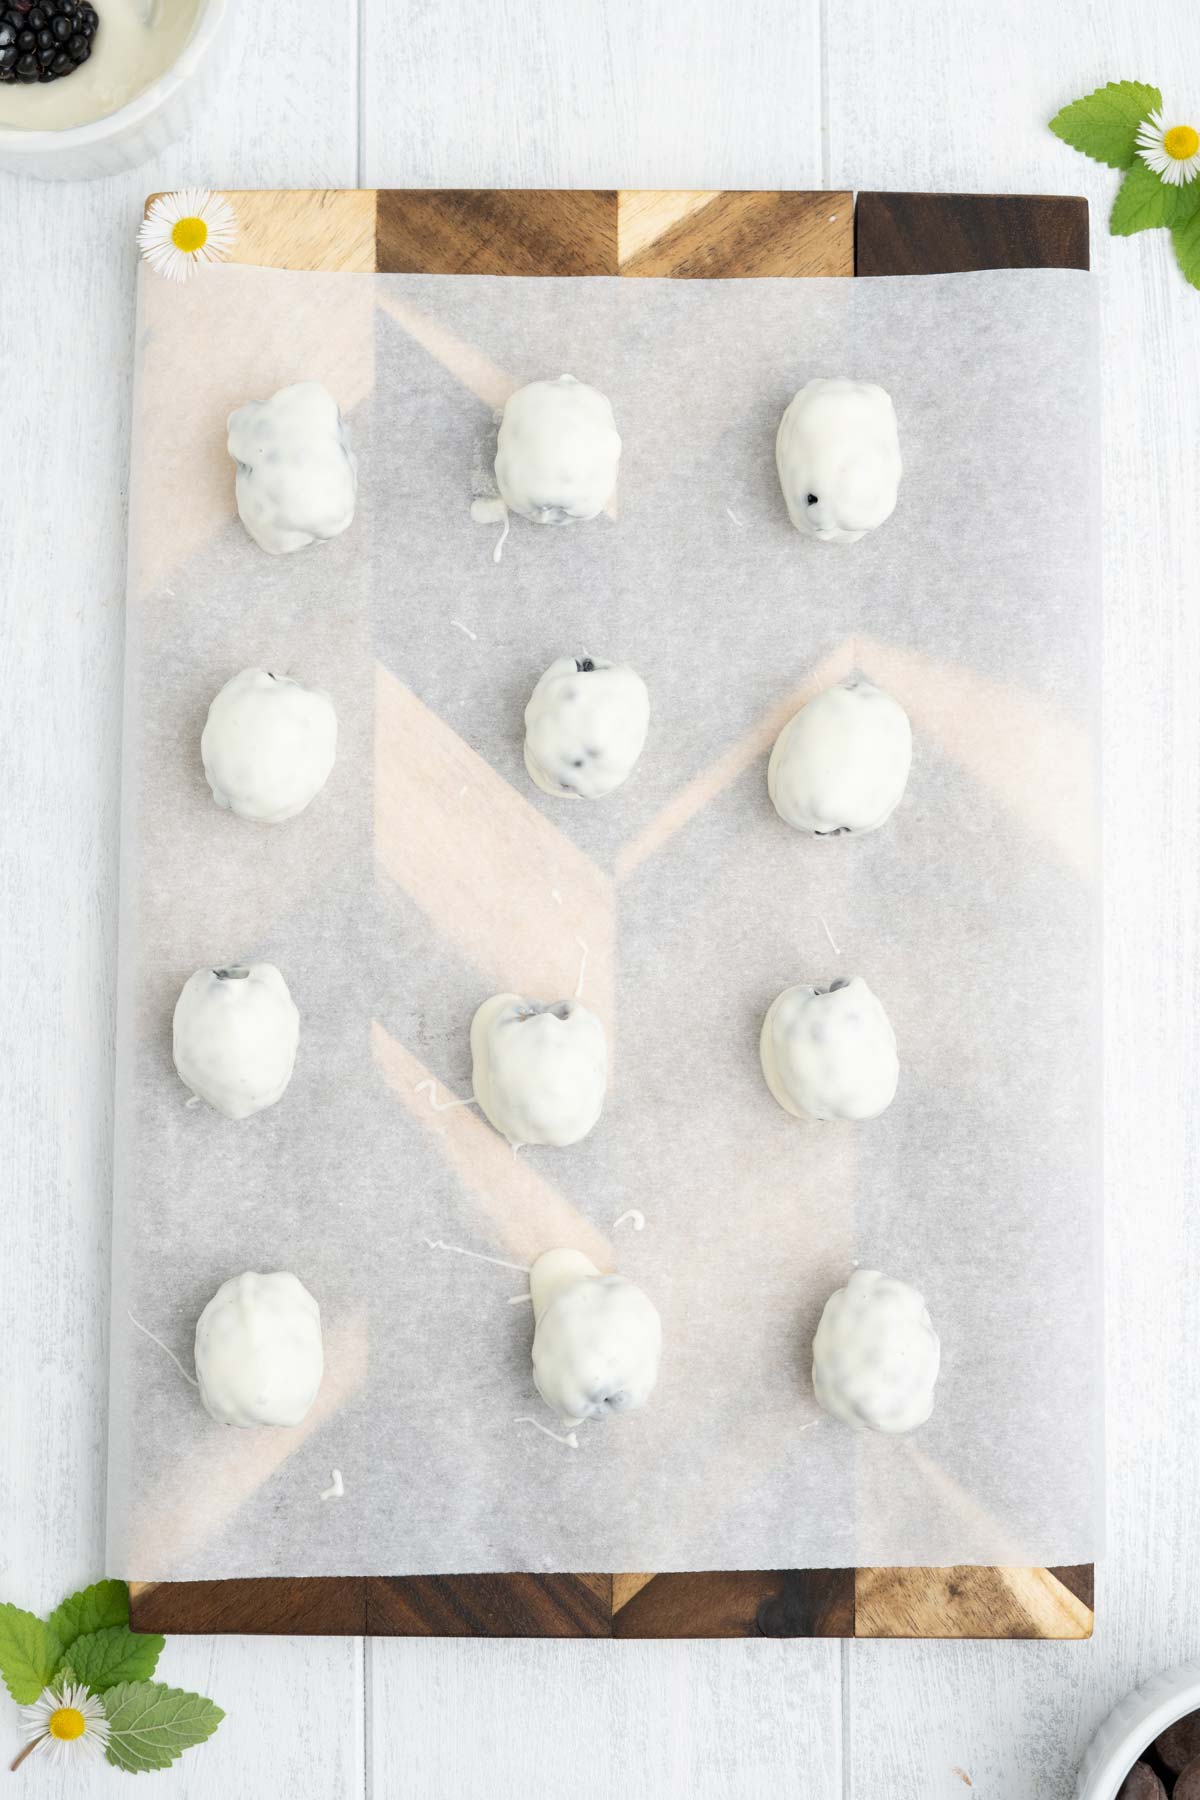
point(88, 87)
point(1149, 1746)
point(45, 42)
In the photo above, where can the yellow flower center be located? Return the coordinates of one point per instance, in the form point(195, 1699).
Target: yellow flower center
point(67, 1723)
point(1181, 142)
point(190, 235)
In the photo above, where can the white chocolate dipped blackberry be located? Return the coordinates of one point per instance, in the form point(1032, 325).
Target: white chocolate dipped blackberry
point(235, 1036)
point(556, 454)
point(259, 1359)
point(268, 745)
point(830, 1053)
point(297, 476)
point(876, 1355)
point(539, 1072)
point(585, 727)
point(838, 456)
point(840, 765)
point(596, 1342)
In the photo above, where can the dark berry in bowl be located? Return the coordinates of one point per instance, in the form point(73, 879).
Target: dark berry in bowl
point(46, 41)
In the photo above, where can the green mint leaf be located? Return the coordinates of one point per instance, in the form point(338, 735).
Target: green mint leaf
point(29, 1653)
point(1104, 123)
point(101, 1659)
point(1144, 201)
point(94, 1609)
point(1186, 239)
point(149, 1725)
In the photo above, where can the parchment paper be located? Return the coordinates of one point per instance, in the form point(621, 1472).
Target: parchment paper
point(431, 873)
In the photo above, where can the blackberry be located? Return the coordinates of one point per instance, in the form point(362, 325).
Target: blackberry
point(42, 40)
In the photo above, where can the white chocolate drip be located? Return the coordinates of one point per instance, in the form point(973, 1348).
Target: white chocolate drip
point(154, 1340)
point(571, 1439)
point(476, 1256)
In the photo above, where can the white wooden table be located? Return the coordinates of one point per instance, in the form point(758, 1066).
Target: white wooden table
point(601, 93)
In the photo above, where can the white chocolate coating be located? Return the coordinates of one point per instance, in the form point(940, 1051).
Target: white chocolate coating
point(268, 745)
point(596, 1342)
point(841, 764)
point(297, 476)
point(258, 1352)
point(557, 452)
point(876, 1355)
point(838, 456)
point(539, 1072)
point(235, 1037)
point(830, 1053)
point(585, 727)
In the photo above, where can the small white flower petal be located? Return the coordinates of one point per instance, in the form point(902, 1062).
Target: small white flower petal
point(155, 234)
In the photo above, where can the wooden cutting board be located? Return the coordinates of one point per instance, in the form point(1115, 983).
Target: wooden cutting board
point(681, 235)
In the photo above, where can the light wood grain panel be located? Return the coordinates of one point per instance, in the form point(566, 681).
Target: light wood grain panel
point(294, 1709)
point(967, 1603)
point(975, 100)
point(778, 234)
point(306, 229)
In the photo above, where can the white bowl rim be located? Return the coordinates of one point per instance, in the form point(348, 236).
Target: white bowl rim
point(210, 15)
point(1166, 1697)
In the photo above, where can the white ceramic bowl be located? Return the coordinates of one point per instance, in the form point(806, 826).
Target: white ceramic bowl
point(1134, 1724)
point(138, 130)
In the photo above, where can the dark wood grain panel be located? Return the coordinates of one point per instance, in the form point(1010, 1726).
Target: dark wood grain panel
point(945, 234)
point(810, 1603)
point(490, 1606)
point(1079, 1579)
point(738, 1603)
point(296, 1606)
point(472, 231)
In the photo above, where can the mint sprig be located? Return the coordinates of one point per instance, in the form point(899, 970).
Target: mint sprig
point(1104, 123)
point(88, 1640)
point(150, 1725)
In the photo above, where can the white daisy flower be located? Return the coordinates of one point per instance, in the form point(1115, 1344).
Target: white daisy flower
point(66, 1721)
point(183, 230)
point(1172, 151)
